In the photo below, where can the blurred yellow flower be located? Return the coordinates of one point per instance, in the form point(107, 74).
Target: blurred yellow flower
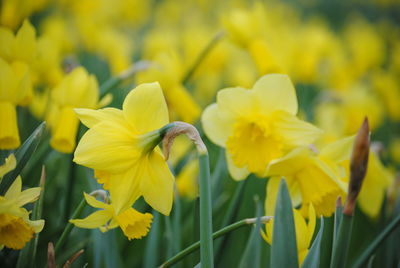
point(122, 146)
point(14, 87)
point(304, 231)
point(309, 179)
point(15, 227)
point(133, 224)
point(78, 89)
point(257, 125)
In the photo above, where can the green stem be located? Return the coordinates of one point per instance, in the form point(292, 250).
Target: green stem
point(341, 245)
point(192, 248)
point(375, 244)
point(69, 226)
point(203, 54)
point(206, 246)
point(327, 242)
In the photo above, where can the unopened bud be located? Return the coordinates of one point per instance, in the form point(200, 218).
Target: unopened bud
point(358, 166)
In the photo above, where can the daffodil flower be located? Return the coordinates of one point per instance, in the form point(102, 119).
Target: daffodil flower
point(78, 89)
point(121, 146)
point(304, 231)
point(15, 227)
point(313, 178)
point(133, 224)
point(257, 125)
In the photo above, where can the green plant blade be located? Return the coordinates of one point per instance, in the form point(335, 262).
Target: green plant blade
point(284, 248)
point(22, 155)
point(151, 249)
point(312, 259)
point(341, 245)
point(375, 244)
point(326, 242)
point(252, 254)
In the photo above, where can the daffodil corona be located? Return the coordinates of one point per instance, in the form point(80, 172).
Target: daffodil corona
point(257, 125)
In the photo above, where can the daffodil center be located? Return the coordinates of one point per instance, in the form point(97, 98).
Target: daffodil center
point(254, 144)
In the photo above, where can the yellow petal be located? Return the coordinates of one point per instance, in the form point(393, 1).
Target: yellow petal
point(145, 108)
point(15, 189)
point(124, 187)
point(290, 163)
point(25, 42)
point(6, 42)
point(64, 133)
point(157, 183)
point(106, 100)
point(94, 220)
point(312, 220)
point(107, 146)
point(90, 117)
point(28, 196)
point(9, 134)
point(272, 194)
point(8, 83)
point(216, 128)
point(9, 164)
point(338, 151)
point(91, 200)
point(294, 131)
point(276, 92)
point(237, 173)
point(301, 230)
point(134, 224)
point(236, 102)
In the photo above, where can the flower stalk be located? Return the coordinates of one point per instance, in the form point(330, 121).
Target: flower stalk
point(192, 248)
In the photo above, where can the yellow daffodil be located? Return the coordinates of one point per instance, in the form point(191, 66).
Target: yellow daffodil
point(304, 231)
point(257, 125)
point(78, 89)
point(14, 87)
point(133, 224)
point(310, 181)
point(376, 182)
point(121, 146)
point(15, 227)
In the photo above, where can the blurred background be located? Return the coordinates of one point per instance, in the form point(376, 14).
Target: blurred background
point(342, 56)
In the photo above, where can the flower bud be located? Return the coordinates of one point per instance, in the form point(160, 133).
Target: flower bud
point(358, 166)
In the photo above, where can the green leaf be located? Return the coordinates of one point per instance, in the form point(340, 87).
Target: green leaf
point(252, 254)
point(22, 155)
point(312, 259)
point(395, 223)
point(341, 245)
point(284, 247)
point(326, 242)
point(151, 250)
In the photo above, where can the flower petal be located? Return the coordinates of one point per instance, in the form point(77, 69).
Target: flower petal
point(91, 200)
point(338, 151)
point(9, 164)
point(145, 108)
point(236, 102)
point(28, 196)
point(107, 146)
point(91, 117)
point(15, 189)
point(94, 220)
point(157, 183)
point(237, 173)
point(276, 92)
point(294, 131)
point(216, 128)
